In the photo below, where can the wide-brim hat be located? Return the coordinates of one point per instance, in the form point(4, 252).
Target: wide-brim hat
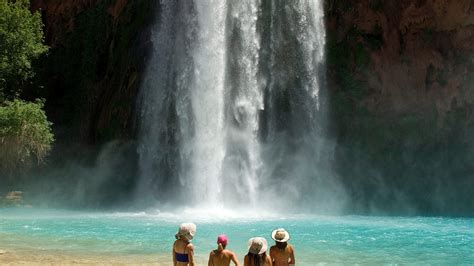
point(257, 245)
point(280, 235)
point(187, 230)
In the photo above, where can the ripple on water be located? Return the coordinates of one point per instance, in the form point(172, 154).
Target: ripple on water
point(345, 239)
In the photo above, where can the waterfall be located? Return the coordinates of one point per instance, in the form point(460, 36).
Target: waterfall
point(230, 104)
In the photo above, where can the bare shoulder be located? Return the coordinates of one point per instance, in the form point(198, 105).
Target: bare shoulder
point(211, 254)
point(232, 254)
point(272, 249)
point(190, 247)
point(290, 247)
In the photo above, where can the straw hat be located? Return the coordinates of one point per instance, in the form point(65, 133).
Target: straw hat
point(280, 235)
point(187, 230)
point(257, 245)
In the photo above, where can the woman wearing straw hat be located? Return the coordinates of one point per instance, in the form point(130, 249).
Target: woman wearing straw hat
point(282, 253)
point(257, 255)
point(183, 250)
point(222, 256)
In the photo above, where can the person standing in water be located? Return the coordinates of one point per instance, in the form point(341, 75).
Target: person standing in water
point(222, 256)
point(183, 250)
point(282, 253)
point(257, 255)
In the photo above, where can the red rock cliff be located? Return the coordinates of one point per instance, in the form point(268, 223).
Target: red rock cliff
point(419, 54)
point(423, 60)
point(400, 91)
point(402, 103)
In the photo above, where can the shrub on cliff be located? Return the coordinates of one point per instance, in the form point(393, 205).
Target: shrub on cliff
point(25, 134)
point(21, 41)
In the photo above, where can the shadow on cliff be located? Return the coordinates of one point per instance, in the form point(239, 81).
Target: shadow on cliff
point(401, 106)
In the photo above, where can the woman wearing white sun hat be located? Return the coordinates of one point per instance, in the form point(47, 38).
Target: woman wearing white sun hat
point(257, 256)
point(282, 253)
point(183, 250)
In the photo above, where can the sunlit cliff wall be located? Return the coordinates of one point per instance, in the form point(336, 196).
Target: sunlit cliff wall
point(401, 86)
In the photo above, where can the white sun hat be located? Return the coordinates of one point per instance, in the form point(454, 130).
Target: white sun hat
point(257, 245)
point(187, 230)
point(280, 235)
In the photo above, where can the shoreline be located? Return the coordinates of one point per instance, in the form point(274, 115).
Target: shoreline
point(60, 257)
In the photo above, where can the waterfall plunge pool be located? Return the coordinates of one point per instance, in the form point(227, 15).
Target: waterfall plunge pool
point(147, 236)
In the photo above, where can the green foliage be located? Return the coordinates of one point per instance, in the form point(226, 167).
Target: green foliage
point(376, 5)
point(21, 41)
point(25, 134)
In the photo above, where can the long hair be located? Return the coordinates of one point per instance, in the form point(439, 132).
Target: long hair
point(281, 245)
point(257, 259)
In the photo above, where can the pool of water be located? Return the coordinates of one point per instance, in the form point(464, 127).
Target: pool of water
point(316, 239)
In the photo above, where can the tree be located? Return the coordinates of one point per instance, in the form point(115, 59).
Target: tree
point(25, 134)
point(21, 41)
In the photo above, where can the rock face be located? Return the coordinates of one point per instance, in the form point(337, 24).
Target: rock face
point(401, 101)
point(59, 16)
point(92, 72)
point(399, 84)
point(12, 199)
point(421, 52)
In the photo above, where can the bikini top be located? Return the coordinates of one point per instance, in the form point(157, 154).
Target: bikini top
point(182, 257)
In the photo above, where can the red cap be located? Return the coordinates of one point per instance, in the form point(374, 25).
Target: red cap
point(222, 239)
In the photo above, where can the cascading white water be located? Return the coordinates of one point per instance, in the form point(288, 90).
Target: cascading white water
point(230, 102)
point(240, 177)
point(207, 102)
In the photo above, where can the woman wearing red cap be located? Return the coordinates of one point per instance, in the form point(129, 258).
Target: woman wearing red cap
point(222, 256)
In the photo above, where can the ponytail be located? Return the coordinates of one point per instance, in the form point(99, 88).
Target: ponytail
point(220, 247)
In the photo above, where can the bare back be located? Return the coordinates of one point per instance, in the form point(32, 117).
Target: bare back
point(267, 261)
point(282, 257)
point(222, 258)
point(182, 247)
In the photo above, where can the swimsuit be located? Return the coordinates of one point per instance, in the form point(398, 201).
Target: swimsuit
point(182, 257)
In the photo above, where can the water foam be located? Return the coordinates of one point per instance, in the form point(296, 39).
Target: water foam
point(230, 107)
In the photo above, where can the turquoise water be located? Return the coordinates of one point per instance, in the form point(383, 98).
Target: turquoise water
point(322, 239)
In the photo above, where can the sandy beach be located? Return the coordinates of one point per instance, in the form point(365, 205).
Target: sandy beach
point(38, 257)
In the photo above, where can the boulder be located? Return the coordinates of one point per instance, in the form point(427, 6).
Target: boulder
point(13, 198)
